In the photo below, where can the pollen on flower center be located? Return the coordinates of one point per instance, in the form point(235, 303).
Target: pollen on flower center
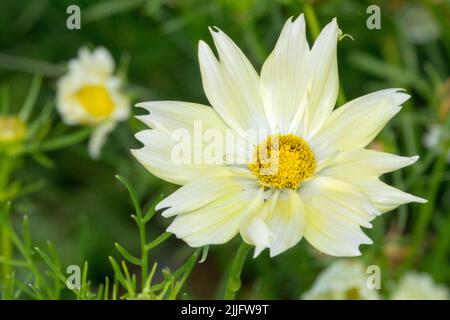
point(283, 161)
point(96, 100)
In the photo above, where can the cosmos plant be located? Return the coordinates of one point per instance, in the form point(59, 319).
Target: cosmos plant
point(326, 185)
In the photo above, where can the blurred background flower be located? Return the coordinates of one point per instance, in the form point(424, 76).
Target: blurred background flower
point(419, 286)
point(90, 94)
point(13, 130)
point(342, 280)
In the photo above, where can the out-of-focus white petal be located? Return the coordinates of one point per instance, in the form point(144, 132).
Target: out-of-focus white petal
point(419, 286)
point(342, 280)
point(383, 196)
point(98, 62)
point(284, 79)
point(357, 163)
point(355, 124)
point(323, 73)
point(98, 138)
point(335, 210)
point(231, 85)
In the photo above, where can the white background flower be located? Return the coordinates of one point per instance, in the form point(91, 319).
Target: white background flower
point(90, 94)
point(419, 286)
point(342, 280)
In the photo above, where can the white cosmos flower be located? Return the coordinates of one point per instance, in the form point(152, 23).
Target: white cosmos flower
point(90, 94)
point(342, 280)
point(419, 286)
point(327, 185)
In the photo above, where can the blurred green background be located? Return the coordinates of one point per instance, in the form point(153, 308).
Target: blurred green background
point(84, 210)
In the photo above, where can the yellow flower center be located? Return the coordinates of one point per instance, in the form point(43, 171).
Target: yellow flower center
point(96, 100)
point(283, 161)
point(12, 129)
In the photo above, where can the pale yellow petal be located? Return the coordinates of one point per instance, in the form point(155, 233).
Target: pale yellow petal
point(286, 222)
point(173, 115)
point(284, 77)
point(253, 229)
point(355, 124)
point(335, 211)
point(383, 196)
point(323, 74)
point(215, 223)
point(201, 192)
point(357, 163)
point(231, 85)
point(157, 157)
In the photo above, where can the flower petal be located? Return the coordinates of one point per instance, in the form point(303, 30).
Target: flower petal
point(98, 138)
point(335, 210)
point(215, 223)
point(355, 124)
point(201, 192)
point(286, 222)
point(283, 77)
point(175, 149)
point(160, 156)
point(231, 85)
point(323, 73)
point(383, 196)
point(358, 163)
point(98, 63)
point(173, 115)
point(253, 229)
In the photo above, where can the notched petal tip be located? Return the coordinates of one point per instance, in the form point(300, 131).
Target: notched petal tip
point(414, 159)
point(214, 30)
point(165, 211)
point(333, 25)
point(296, 19)
point(413, 198)
point(146, 105)
point(141, 118)
point(258, 250)
point(400, 98)
point(162, 204)
point(136, 154)
point(205, 54)
point(202, 44)
point(420, 200)
point(144, 137)
point(366, 240)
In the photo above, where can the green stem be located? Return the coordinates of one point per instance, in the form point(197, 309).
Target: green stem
point(6, 250)
point(311, 19)
point(6, 253)
point(234, 279)
point(144, 255)
point(427, 209)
